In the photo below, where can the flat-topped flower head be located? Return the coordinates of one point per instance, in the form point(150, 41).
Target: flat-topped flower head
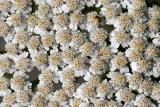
point(119, 61)
point(72, 4)
point(110, 12)
point(87, 49)
point(75, 102)
point(60, 21)
point(133, 55)
point(68, 55)
point(112, 103)
point(140, 66)
point(5, 63)
point(77, 40)
point(37, 101)
point(137, 44)
point(92, 79)
point(153, 24)
point(21, 4)
point(138, 29)
point(104, 53)
point(156, 92)
point(76, 19)
point(67, 75)
point(4, 86)
point(124, 95)
point(151, 52)
point(146, 87)
point(48, 41)
point(69, 88)
point(100, 103)
point(43, 24)
point(43, 90)
point(63, 37)
point(117, 80)
point(40, 59)
point(104, 89)
point(3, 28)
point(55, 58)
point(53, 104)
point(154, 12)
point(22, 97)
point(46, 76)
point(33, 42)
point(31, 20)
point(22, 63)
point(60, 96)
point(123, 22)
point(92, 20)
point(15, 20)
point(5, 6)
point(142, 101)
point(21, 37)
point(134, 80)
point(11, 48)
point(9, 100)
point(139, 4)
point(4, 83)
point(98, 36)
point(97, 66)
point(43, 9)
point(119, 37)
point(17, 83)
point(78, 63)
point(137, 14)
point(86, 91)
point(55, 3)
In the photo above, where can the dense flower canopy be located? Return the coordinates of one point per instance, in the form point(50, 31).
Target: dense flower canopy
point(88, 53)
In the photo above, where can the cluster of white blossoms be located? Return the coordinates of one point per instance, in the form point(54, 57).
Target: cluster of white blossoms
point(88, 53)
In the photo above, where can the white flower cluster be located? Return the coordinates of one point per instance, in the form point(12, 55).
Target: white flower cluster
point(103, 53)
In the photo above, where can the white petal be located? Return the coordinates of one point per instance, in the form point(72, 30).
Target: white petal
point(134, 66)
point(65, 8)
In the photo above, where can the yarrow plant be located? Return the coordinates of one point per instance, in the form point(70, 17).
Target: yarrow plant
point(79, 53)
